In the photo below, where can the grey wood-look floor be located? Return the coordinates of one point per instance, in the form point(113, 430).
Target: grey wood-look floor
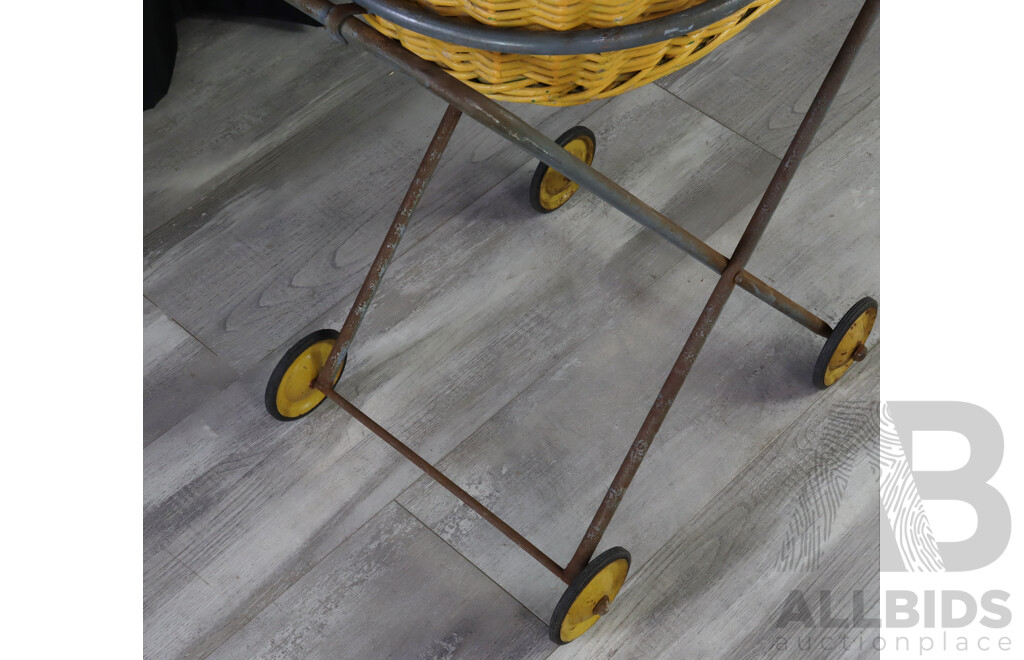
point(518, 352)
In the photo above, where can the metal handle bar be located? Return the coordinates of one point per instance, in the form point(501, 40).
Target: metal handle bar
point(530, 42)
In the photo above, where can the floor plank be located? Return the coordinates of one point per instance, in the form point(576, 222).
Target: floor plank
point(437, 604)
point(545, 460)
point(240, 88)
point(719, 587)
point(178, 373)
point(761, 83)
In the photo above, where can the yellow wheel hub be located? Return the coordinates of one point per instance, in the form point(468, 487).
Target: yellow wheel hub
point(555, 188)
point(846, 344)
point(589, 596)
point(584, 611)
point(290, 393)
point(843, 357)
point(295, 394)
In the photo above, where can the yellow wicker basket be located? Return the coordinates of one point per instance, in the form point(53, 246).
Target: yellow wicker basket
point(567, 79)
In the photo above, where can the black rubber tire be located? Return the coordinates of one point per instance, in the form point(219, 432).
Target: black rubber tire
point(270, 396)
point(542, 169)
point(832, 343)
point(576, 587)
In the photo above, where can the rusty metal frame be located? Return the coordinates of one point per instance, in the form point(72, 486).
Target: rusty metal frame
point(388, 248)
point(463, 99)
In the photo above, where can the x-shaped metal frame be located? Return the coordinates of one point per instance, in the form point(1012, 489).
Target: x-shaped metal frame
point(463, 99)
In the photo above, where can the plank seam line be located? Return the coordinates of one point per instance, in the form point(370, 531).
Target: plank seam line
point(187, 331)
point(720, 122)
point(469, 561)
point(193, 571)
point(312, 566)
point(823, 138)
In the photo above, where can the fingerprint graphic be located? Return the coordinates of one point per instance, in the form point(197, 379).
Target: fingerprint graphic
point(903, 505)
point(843, 441)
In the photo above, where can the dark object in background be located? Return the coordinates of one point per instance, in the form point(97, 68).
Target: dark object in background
point(160, 39)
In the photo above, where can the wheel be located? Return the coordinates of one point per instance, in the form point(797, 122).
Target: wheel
point(549, 190)
point(846, 343)
point(589, 596)
point(290, 392)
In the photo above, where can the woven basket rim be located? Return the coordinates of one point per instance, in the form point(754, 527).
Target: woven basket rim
point(463, 31)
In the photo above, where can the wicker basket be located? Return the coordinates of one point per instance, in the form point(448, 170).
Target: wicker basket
point(567, 79)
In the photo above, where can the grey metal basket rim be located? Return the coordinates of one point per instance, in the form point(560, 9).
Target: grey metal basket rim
point(413, 17)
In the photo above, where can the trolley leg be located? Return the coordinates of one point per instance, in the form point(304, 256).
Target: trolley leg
point(706, 321)
point(390, 245)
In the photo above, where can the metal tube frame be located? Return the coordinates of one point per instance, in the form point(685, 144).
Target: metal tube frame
point(571, 42)
point(390, 245)
point(416, 18)
point(463, 99)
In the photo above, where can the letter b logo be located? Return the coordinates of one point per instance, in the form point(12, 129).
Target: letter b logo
point(911, 546)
